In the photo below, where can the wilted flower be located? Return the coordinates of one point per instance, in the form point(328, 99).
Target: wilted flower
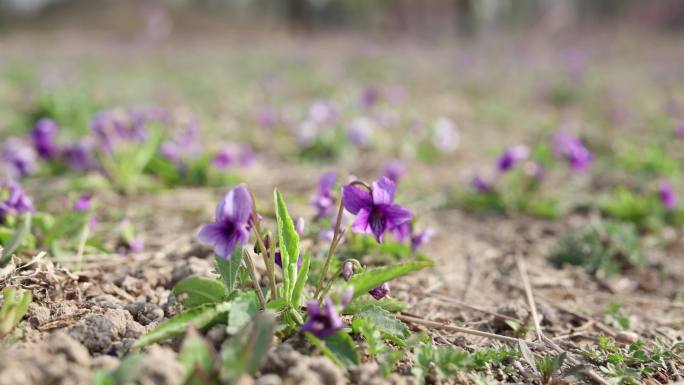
point(571, 148)
point(323, 320)
point(394, 170)
point(14, 199)
point(19, 156)
point(324, 200)
point(481, 185)
point(667, 195)
point(375, 211)
point(511, 157)
point(381, 291)
point(360, 131)
point(82, 203)
point(44, 138)
point(446, 137)
point(232, 224)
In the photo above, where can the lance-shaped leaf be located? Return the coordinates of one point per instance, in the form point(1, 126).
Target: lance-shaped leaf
point(370, 279)
point(23, 230)
point(243, 353)
point(16, 304)
point(385, 322)
point(302, 276)
point(197, 358)
point(228, 270)
point(201, 317)
point(289, 244)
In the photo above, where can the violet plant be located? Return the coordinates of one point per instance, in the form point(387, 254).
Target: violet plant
point(305, 297)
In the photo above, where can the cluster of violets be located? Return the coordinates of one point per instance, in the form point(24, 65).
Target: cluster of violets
point(564, 146)
point(375, 213)
point(323, 116)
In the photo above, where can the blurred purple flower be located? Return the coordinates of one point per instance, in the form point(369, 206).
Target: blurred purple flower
point(419, 239)
point(136, 245)
point(267, 117)
point(246, 155)
point(381, 291)
point(44, 138)
point(79, 155)
point(323, 320)
point(667, 195)
point(14, 200)
point(375, 211)
point(402, 232)
point(299, 226)
point(322, 112)
point(82, 203)
point(481, 185)
point(185, 145)
point(223, 159)
point(571, 148)
point(369, 97)
point(511, 157)
point(306, 133)
point(394, 170)
point(324, 200)
point(679, 129)
point(232, 224)
point(19, 156)
point(361, 131)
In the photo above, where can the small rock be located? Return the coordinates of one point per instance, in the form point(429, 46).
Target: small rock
point(134, 329)
point(119, 318)
point(627, 337)
point(107, 301)
point(60, 343)
point(171, 307)
point(63, 309)
point(105, 362)
point(145, 312)
point(96, 332)
point(160, 367)
point(38, 315)
point(269, 379)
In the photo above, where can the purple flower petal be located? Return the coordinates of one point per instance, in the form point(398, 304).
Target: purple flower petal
point(356, 198)
point(395, 215)
point(383, 191)
point(237, 204)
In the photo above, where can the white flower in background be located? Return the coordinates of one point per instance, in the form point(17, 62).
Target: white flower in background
point(445, 135)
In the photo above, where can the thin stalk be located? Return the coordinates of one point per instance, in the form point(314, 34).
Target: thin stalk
point(331, 250)
point(252, 273)
point(268, 261)
point(85, 232)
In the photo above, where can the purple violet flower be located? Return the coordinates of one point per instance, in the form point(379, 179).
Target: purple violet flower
point(324, 200)
point(394, 170)
point(421, 238)
point(322, 112)
point(299, 226)
point(78, 155)
point(511, 157)
point(267, 118)
point(232, 224)
point(82, 203)
point(19, 156)
point(246, 155)
point(667, 195)
point(381, 291)
point(571, 148)
point(369, 97)
point(375, 211)
point(44, 138)
point(361, 131)
point(14, 200)
point(680, 130)
point(137, 245)
point(323, 320)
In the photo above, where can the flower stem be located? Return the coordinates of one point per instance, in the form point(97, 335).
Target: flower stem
point(252, 273)
point(331, 250)
point(268, 261)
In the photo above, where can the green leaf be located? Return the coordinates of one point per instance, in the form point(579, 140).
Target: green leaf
point(301, 281)
point(245, 308)
point(228, 270)
point(384, 321)
point(338, 347)
point(20, 234)
point(244, 352)
point(196, 291)
point(196, 356)
point(201, 317)
point(16, 304)
point(289, 244)
point(370, 279)
point(360, 304)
